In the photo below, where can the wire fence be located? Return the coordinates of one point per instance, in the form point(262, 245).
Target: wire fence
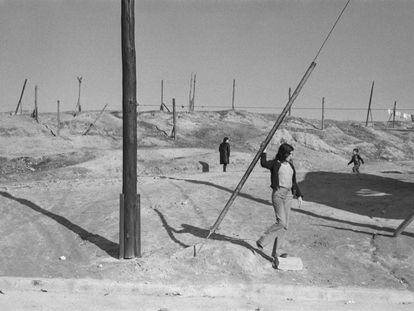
point(335, 113)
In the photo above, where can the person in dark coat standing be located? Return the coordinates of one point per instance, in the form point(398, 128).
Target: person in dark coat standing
point(224, 150)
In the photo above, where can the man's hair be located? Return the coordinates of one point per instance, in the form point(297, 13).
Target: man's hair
point(356, 150)
point(225, 139)
point(283, 152)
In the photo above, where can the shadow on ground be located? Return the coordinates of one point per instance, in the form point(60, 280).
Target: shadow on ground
point(106, 245)
point(364, 194)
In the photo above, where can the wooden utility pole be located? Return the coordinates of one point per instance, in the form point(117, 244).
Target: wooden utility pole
point(174, 130)
point(323, 113)
point(393, 114)
point(19, 104)
point(369, 104)
point(58, 118)
point(78, 107)
point(232, 98)
point(131, 206)
point(290, 111)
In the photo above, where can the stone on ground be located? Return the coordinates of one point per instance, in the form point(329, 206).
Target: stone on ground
point(289, 263)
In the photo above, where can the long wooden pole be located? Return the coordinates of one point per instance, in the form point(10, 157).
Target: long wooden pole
point(369, 104)
point(129, 129)
point(232, 98)
point(19, 104)
point(262, 148)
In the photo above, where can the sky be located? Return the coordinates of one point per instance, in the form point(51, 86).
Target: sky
point(265, 45)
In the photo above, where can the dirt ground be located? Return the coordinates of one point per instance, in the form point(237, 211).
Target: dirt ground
point(59, 196)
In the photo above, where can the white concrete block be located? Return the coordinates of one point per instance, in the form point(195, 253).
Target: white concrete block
point(289, 263)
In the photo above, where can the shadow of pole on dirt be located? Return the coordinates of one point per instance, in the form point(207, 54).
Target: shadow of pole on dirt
point(106, 245)
point(203, 233)
point(170, 230)
point(375, 228)
point(207, 183)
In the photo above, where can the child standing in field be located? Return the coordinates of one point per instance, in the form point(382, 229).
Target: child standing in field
point(284, 188)
point(357, 160)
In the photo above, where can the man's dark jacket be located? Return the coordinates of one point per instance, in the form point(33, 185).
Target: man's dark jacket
point(224, 149)
point(273, 166)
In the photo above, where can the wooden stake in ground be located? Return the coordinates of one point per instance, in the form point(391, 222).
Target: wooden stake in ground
point(174, 129)
point(93, 123)
point(369, 106)
point(194, 88)
point(58, 118)
point(261, 149)
point(78, 107)
point(323, 113)
point(393, 114)
point(132, 227)
point(232, 98)
point(35, 113)
point(19, 104)
point(191, 95)
point(404, 225)
point(162, 96)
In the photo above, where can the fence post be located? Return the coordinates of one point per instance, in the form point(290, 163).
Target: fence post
point(189, 95)
point(58, 118)
point(393, 114)
point(19, 104)
point(323, 113)
point(174, 130)
point(369, 104)
point(194, 87)
point(232, 99)
point(162, 96)
point(35, 111)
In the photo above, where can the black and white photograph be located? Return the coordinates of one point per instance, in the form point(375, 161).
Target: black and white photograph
point(165, 155)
